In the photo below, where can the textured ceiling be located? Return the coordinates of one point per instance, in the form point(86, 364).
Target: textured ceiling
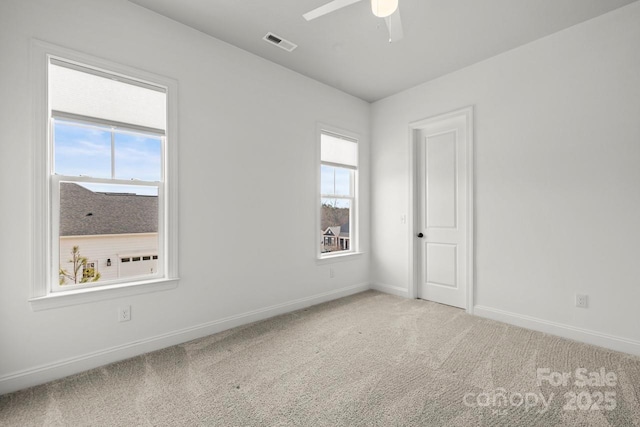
point(348, 49)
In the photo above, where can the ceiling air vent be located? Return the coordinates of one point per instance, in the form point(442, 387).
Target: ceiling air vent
point(280, 42)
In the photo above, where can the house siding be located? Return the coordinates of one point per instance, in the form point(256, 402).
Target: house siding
point(101, 248)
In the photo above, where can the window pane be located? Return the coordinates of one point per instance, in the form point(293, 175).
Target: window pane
point(107, 232)
point(81, 150)
point(138, 157)
point(335, 217)
point(335, 180)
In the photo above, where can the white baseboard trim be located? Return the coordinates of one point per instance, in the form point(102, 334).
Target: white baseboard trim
point(393, 290)
point(562, 330)
point(52, 371)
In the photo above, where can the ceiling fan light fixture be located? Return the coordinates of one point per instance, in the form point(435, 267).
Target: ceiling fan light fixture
point(383, 8)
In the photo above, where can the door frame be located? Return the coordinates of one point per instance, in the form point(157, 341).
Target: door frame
point(414, 205)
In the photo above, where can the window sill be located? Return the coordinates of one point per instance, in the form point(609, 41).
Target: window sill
point(64, 299)
point(328, 259)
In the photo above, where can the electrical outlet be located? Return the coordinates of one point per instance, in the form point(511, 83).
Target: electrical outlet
point(332, 273)
point(582, 300)
point(124, 313)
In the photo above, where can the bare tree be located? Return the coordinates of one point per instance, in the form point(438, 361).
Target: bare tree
point(333, 216)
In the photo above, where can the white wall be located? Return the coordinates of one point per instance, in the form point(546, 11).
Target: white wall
point(247, 165)
point(557, 128)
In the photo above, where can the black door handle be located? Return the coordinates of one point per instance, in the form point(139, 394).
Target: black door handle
point(420, 235)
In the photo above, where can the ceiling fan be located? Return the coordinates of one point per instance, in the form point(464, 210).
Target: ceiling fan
point(387, 9)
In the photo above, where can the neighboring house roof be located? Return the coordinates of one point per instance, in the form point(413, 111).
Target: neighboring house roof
point(339, 231)
point(84, 212)
point(332, 231)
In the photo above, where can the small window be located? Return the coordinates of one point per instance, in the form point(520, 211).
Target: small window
point(338, 174)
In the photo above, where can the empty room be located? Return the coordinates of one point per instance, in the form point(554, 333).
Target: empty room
point(320, 213)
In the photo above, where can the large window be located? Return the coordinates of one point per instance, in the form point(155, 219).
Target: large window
point(108, 169)
point(338, 174)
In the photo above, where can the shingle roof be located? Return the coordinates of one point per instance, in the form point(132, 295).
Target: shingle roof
point(338, 230)
point(84, 212)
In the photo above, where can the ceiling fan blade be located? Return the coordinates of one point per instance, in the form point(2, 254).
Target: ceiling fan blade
point(394, 25)
point(328, 8)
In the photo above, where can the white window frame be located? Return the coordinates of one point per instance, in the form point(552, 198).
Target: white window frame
point(44, 248)
point(354, 222)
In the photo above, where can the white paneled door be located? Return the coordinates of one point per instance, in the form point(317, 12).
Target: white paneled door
point(443, 219)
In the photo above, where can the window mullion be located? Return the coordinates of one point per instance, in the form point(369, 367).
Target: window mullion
point(113, 154)
point(91, 179)
point(334, 181)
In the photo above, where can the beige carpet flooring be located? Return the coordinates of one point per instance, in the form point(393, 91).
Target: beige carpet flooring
point(366, 360)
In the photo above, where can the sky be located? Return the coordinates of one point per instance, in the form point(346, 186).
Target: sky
point(334, 180)
point(86, 151)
